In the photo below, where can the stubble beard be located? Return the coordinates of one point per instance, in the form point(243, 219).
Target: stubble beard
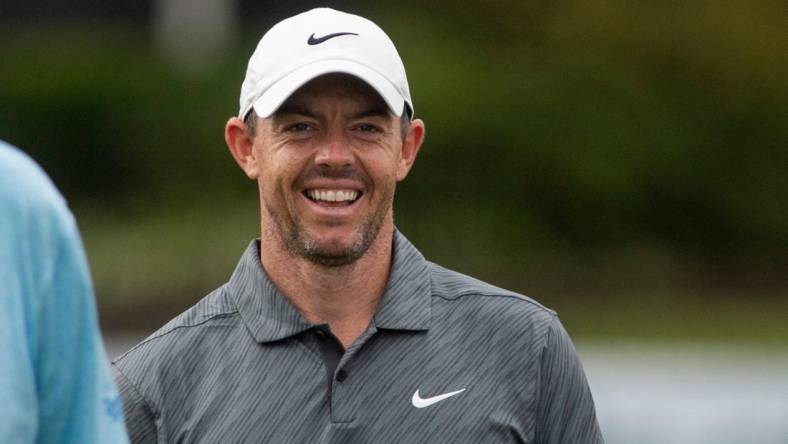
point(299, 243)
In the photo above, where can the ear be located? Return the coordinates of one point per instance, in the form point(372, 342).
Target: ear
point(410, 148)
point(241, 145)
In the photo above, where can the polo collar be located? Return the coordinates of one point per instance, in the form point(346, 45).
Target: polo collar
point(406, 300)
point(269, 316)
point(267, 313)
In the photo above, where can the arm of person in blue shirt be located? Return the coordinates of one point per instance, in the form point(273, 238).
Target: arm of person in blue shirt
point(54, 377)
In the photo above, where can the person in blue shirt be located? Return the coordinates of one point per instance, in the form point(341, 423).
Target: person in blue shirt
point(55, 385)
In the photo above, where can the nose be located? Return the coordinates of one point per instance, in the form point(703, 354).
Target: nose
point(334, 152)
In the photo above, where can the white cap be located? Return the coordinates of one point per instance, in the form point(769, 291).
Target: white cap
point(321, 41)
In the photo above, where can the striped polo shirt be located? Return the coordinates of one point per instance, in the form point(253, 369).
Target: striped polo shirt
point(446, 359)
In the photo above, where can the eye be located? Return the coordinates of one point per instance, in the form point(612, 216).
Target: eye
point(299, 127)
point(368, 128)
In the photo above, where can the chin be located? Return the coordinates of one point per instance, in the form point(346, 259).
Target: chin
point(334, 254)
point(336, 243)
point(335, 247)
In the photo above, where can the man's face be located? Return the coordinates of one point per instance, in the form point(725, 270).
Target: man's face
point(328, 162)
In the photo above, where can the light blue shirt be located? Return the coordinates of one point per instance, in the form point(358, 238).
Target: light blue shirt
point(55, 385)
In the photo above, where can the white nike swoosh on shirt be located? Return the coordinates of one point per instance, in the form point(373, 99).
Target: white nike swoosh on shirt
point(420, 402)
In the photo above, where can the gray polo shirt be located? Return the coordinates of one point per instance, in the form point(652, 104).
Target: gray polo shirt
point(446, 359)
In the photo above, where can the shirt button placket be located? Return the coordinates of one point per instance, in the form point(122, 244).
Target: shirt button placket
point(341, 405)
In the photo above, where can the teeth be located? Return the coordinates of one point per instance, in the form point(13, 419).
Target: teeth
point(333, 195)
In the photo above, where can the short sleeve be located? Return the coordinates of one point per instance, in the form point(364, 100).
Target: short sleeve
point(565, 410)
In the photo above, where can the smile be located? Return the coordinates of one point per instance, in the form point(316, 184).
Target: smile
point(342, 197)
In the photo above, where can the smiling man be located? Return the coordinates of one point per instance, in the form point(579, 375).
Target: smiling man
point(333, 327)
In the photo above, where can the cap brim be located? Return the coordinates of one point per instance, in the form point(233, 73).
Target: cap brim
point(273, 98)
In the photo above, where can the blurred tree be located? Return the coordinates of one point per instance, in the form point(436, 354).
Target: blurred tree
point(553, 128)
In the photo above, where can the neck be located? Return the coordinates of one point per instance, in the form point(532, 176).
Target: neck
point(344, 297)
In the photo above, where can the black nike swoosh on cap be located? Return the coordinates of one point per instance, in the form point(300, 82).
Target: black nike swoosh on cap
point(318, 40)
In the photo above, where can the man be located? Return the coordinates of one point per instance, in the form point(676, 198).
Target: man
point(333, 327)
point(55, 384)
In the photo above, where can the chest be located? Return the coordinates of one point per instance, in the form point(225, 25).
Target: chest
point(397, 387)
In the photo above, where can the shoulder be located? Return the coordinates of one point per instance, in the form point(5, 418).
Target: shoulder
point(35, 217)
point(156, 372)
point(485, 306)
point(216, 310)
point(453, 286)
point(25, 187)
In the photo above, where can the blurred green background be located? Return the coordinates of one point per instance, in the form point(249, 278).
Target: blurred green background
point(623, 162)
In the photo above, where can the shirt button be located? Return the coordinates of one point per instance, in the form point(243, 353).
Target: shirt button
point(341, 375)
